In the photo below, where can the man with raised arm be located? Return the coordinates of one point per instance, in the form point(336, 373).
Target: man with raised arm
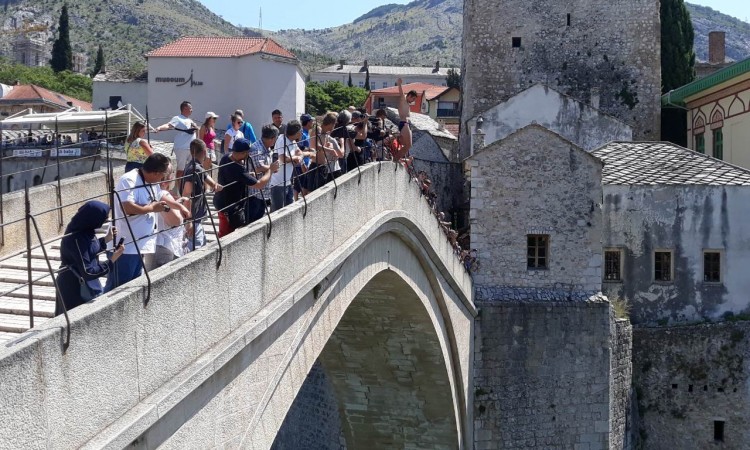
point(186, 132)
point(403, 114)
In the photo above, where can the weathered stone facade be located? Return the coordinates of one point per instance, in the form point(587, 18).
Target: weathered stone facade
point(596, 51)
point(551, 375)
point(691, 381)
point(534, 182)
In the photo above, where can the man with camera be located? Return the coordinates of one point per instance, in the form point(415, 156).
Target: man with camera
point(235, 177)
point(139, 201)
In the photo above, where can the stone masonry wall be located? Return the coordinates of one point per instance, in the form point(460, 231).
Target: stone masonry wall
point(542, 376)
point(688, 380)
point(313, 421)
point(621, 379)
point(535, 182)
point(609, 54)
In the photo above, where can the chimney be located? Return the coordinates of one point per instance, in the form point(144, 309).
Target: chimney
point(437, 66)
point(342, 63)
point(716, 47)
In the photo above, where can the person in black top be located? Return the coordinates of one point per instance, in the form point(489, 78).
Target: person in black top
point(235, 178)
point(192, 188)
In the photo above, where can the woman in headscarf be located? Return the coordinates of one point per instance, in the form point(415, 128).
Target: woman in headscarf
point(79, 251)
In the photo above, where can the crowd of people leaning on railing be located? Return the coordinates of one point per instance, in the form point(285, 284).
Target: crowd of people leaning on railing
point(15, 138)
point(159, 212)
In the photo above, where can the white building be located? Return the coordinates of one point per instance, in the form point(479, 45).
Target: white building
point(221, 74)
point(113, 89)
point(382, 76)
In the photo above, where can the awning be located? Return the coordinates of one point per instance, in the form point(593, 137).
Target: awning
point(74, 121)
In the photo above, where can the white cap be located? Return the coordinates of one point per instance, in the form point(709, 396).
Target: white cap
point(211, 114)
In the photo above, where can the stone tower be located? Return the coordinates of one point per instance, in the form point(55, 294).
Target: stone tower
point(602, 52)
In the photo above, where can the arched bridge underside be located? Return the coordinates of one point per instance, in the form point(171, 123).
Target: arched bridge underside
point(360, 297)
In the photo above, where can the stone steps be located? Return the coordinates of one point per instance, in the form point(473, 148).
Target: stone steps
point(14, 306)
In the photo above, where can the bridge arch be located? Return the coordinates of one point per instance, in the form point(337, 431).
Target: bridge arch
point(182, 372)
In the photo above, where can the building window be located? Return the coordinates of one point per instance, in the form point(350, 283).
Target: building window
point(718, 144)
point(700, 143)
point(718, 431)
point(712, 267)
point(663, 266)
point(385, 84)
point(516, 41)
point(537, 251)
point(612, 265)
point(568, 20)
point(361, 84)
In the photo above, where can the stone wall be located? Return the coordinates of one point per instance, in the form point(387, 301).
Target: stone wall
point(690, 378)
point(685, 220)
point(610, 52)
point(313, 421)
point(535, 182)
point(543, 375)
point(621, 426)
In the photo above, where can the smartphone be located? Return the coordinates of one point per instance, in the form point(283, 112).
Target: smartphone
point(275, 157)
point(122, 241)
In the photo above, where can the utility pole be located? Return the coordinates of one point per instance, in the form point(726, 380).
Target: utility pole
point(260, 17)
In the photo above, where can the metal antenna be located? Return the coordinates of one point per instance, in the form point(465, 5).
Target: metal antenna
point(260, 17)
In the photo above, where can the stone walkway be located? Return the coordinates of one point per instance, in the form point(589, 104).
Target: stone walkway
point(14, 306)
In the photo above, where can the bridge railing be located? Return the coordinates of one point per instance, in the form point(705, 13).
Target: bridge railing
point(28, 223)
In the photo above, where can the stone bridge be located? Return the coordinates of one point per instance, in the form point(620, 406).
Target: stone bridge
point(361, 286)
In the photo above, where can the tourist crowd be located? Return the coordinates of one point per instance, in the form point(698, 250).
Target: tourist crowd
point(159, 209)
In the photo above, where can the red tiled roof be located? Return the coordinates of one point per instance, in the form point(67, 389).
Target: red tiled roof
point(31, 92)
point(453, 128)
point(431, 90)
point(220, 47)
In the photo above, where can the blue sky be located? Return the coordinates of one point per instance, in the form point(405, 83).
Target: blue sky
point(281, 14)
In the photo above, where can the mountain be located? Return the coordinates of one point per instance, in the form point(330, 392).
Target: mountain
point(126, 28)
point(424, 31)
point(421, 32)
point(706, 19)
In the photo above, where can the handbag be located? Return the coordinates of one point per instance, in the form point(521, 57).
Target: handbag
point(86, 292)
point(236, 216)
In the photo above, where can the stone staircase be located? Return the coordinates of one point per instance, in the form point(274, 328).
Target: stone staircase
point(14, 306)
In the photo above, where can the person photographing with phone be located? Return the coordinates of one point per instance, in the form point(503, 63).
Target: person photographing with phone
point(78, 282)
point(140, 195)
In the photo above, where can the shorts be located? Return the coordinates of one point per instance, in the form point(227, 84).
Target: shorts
point(183, 156)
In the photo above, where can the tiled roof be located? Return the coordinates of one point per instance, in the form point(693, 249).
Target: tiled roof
point(389, 70)
point(651, 163)
point(430, 90)
point(220, 47)
point(453, 128)
point(34, 93)
point(122, 77)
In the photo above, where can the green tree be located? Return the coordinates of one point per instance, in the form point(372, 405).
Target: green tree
point(350, 84)
point(99, 63)
point(62, 53)
point(65, 82)
point(677, 54)
point(453, 79)
point(332, 96)
point(367, 79)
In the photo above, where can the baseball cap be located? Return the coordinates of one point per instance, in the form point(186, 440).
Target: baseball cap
point(211, 115)
point(241, 145)
point(305, 118)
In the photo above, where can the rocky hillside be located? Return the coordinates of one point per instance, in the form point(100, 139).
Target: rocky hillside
point(126, 28)
point(420, 32)
point(706, 19)
point(424, 31)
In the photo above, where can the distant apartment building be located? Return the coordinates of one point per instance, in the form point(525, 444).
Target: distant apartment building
point(382, 76)
point(438, 102)
point(30, 51)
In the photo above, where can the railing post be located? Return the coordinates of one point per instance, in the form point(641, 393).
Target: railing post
point(3, 186)
point(148, 126)
point(59, 188)
point(27, 208)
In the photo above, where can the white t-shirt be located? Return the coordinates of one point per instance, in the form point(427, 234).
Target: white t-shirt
point(182, 140)
point(333, 163)
point(172, 238)
point(234, 135)
point(285, 170)
point(143, 225)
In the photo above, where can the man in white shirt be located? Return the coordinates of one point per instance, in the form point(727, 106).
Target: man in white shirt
point(139, 192)
point(289, 155)
point(186, 132)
